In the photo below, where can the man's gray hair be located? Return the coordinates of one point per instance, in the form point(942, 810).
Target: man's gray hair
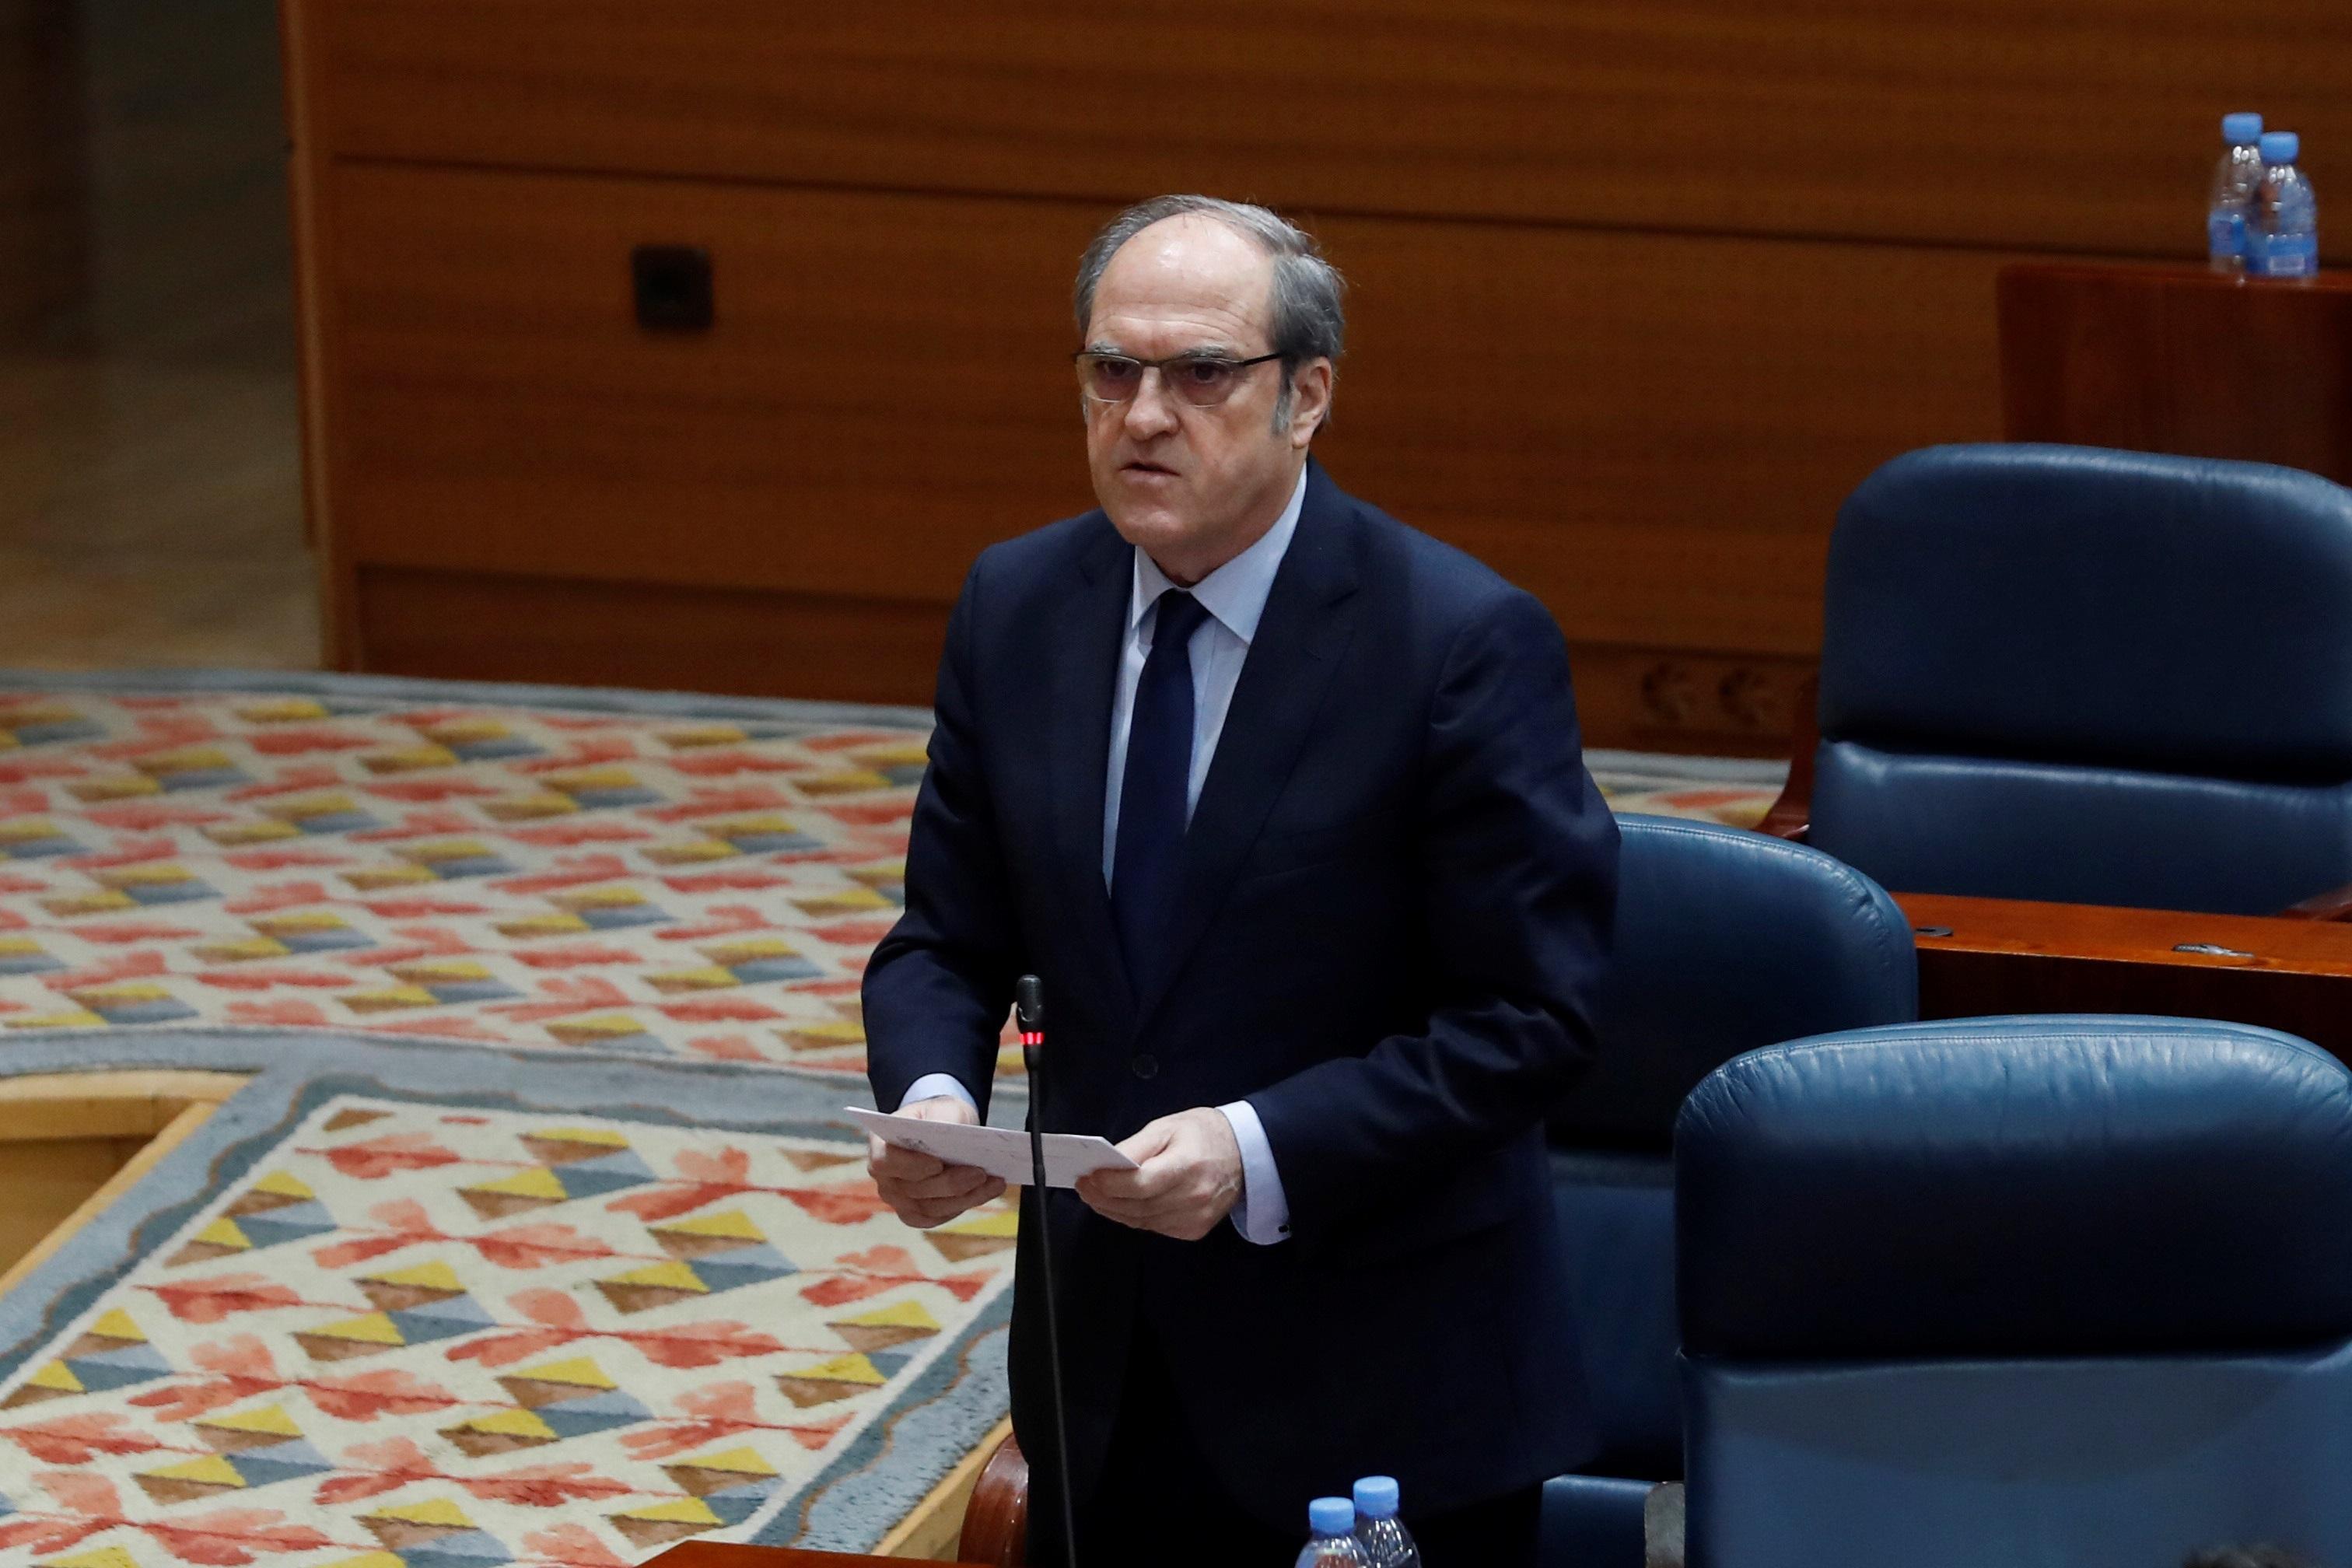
point(1306, 321)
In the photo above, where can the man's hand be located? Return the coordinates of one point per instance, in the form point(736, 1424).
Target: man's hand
point(1190, 1176)
point(923, 1190)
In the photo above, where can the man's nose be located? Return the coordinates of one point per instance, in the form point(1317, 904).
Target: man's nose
point(1150, 412)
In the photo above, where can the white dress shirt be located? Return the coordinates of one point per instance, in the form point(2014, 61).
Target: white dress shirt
point(1234, 595)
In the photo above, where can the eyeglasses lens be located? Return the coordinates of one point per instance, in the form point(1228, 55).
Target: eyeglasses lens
point(1203, 383)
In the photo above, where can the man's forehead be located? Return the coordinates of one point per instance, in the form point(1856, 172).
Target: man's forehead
point(1188, 267)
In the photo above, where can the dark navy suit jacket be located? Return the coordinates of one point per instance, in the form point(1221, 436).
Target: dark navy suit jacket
point(1394, 903)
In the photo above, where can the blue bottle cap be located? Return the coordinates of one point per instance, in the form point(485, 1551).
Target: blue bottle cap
point(1331, 1515)
point(2242, 129)
point(2280, 146)
point(1376, 1497)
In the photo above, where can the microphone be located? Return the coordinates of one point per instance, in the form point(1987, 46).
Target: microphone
point(1029, 1014)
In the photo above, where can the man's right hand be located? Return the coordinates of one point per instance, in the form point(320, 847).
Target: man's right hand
point(925, 1192)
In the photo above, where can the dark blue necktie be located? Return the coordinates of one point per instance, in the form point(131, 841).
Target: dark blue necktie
point(1151, 794)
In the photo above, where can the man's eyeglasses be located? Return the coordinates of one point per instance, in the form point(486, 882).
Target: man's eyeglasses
point(1202, 380)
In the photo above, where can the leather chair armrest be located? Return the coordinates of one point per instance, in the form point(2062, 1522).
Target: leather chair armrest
point(2336, 904)
point(996, 1520)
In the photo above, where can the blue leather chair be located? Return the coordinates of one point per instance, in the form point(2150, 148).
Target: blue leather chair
point(2093, 677)
point(2025, 1291)
point(1725, 941)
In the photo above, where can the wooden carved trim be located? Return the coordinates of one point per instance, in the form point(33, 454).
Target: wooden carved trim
point(1791, 815)
point(996, 1521)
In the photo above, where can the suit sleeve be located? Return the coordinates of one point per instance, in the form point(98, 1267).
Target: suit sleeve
point(1519, 862)
point(938, 987)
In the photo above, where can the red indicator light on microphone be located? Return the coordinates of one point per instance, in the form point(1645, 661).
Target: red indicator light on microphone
point(1032, 1039)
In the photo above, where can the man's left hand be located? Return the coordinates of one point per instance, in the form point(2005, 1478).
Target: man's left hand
point(1189, 1177)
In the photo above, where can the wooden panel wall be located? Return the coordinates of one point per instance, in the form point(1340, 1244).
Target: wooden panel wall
point(1641, 291)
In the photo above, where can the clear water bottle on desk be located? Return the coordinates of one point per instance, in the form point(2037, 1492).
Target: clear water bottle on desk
point(1382, 1534)
point(1333, 1520)
point(2230, 209)
point(2283, 241)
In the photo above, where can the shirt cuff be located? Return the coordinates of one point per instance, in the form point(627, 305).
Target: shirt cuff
point(932, 1085)
point(1263, 1217)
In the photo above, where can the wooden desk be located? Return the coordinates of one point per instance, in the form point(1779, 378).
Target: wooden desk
point(719, 1554)
point(2180, 359)
point(1982, 956)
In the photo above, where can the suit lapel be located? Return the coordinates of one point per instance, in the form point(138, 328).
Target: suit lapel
point(1300, 640)
point(1084, 673)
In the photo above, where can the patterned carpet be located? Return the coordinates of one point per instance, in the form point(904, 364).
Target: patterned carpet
point(657, 875)
point(537, 1238)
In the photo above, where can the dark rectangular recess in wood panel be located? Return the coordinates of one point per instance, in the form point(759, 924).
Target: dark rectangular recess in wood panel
point(480, 627)
point(1650, 433)
point(2088, 126)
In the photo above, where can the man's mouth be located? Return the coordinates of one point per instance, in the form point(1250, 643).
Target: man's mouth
point(1141, 466)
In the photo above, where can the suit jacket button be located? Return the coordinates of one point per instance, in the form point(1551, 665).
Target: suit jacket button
point(1145, 1065)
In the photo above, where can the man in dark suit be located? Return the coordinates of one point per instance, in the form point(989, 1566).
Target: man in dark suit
point(1285, 803)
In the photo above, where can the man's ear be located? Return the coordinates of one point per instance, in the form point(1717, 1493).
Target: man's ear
point(1310, 400)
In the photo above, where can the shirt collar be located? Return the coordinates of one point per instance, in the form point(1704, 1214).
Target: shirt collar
point(1235, 593)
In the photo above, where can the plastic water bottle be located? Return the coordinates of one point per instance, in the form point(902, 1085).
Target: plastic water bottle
point(2235, 180)
point(2283, 240)
point(1333, 1520)
point(1379, 1531)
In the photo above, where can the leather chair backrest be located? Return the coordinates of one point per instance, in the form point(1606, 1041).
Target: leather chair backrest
point(1726, 940)
point(2026, 1290)
point(2102, 677)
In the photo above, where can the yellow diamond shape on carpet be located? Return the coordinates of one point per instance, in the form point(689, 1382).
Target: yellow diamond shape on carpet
point(911, 755)
point(530, 807)
point(887, 1326)
point(854, 781)
point(840, 1378)
point(750, 951)
point(281, 711)
point(351, 1337)
point(710, 979)
point(27, 830)
point(665, 1521)
point(703, 735)
point(542, 925)
point(113, 787)
point(306, 922)
point(302, 807)
point(464, 731)
point(58, 1377)
point(574, 779)
point(440, 971)
point(578, 1370)
point(189, 760)
point(656, 1285)
point(232, 834)
point(375, 879)
point(847, 902)
point(692, 852)
point(524, 1189)
point(598, 1027)
point(875, 876)
point(76, 1019)
point(104, 1557)
point(241, 951)
point(390, 999)
point(151, 875)
point(247, 1429)
point(409, 758)
point(501, 1433)
point(824, 1037)
point(990, 1231)
point(211, 1472)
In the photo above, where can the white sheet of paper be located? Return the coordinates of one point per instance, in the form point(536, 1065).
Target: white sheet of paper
point(999, 1150)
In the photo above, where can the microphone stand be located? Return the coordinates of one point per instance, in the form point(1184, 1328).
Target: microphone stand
point(1029, 1011)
